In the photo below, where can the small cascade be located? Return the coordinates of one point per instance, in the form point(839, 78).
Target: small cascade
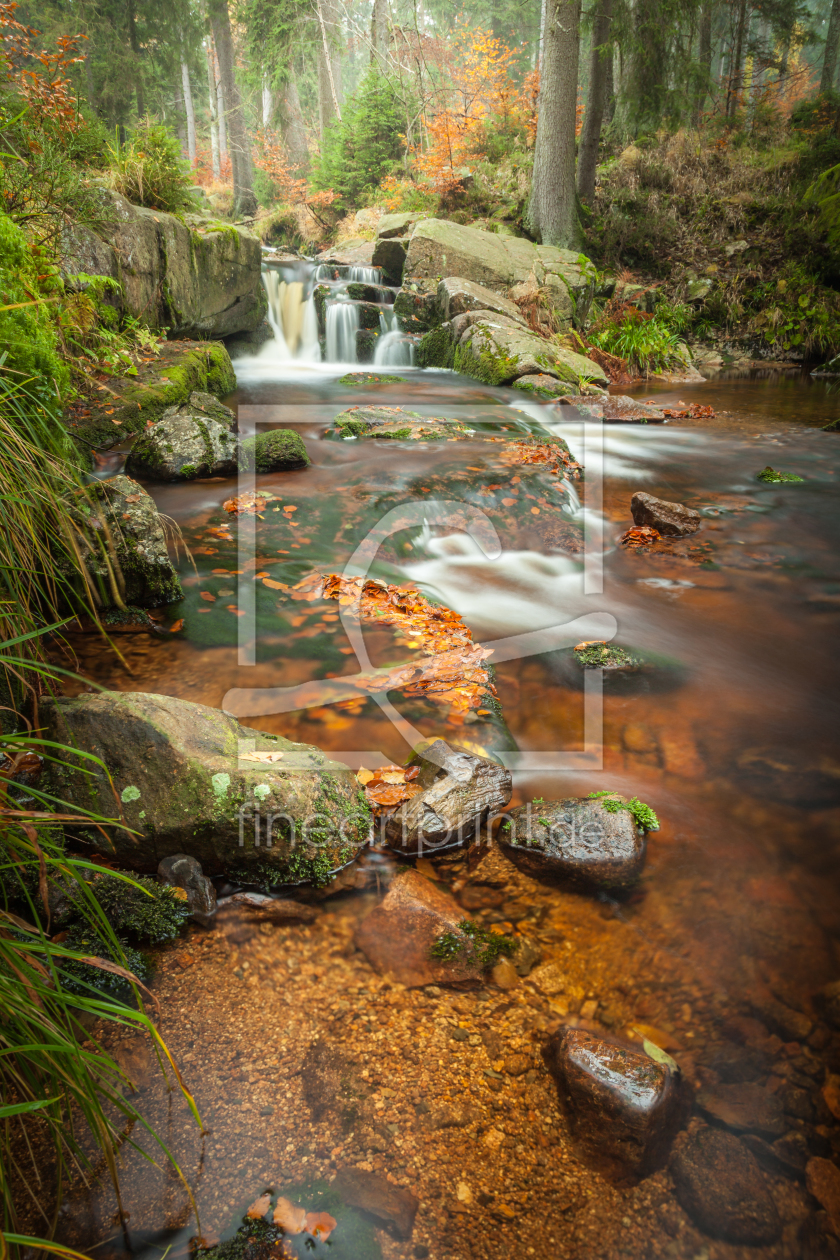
point(364, 275)
point(342, 326)
point(394, 349)
point(291, 313)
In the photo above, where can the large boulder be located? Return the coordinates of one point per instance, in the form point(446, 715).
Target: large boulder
point(196, 277)
point(499, 350)
point(121, 510)
point(190, 779)
point(190, 441)
point(455, 296)
point(273, 451)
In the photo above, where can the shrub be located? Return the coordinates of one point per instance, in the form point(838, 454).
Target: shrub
point(148, 170)
point(366, 145)
point(27, 332)
point(644, 341)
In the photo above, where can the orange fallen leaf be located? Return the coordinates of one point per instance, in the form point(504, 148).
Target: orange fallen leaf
point(239, 612)
point(267, 758)
point(259, 1207)
point(133, 498)
point(579, 647)
point(176, 626)
point(364, 776)
point(508, 502)
point(211, 599)
point(220, 572)
point(291, 1219)
point(288, 508)
point(387, 793)
point(320, 1225)
point(535, 511)
point(274, 586)
point(249, 504)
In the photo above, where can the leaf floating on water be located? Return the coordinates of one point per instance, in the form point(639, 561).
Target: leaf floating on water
point(211, 599)
point(640, 536)
point(291, 1219)
point(265, 758)
point(274, 586)
point(249, 504)
point(320, 1224)
point(176, 626)
point(259, 1207)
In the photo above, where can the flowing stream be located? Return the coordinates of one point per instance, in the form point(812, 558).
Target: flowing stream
point(730, 735)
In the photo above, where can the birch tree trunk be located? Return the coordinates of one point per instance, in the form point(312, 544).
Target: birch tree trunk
point(221, 107)
point(244, 201)
point(600, 66)
point(552, 210)
point(832, 40)
point(190, 111)
point(267, 102)
point(210, 57)
point(329, 66)
point(291, 124)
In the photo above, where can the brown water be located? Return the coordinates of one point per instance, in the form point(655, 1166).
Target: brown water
point(731, 736)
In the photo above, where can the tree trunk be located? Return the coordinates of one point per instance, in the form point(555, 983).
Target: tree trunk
point(329, 69)
point(832, 40)
point(609, 90)
point(600, 62)
point(244, 201)
point(736, 69)
point(552, 210)
point(135, 49)
point(89, 88)
point(214, 117)
point(379, 35)
point(267, 102)
point(190, 108)
point(221, 107)
point(291, 124)
point(649, 66)
point(704, 61)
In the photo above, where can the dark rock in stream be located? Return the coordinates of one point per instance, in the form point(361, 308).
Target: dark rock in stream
point(576, 842)
point(190, 778)
point(184, 872)
point(624, 1107)
point(672, 519)
point(744, 1108)
point(190, 441)
point(146, 575)
point(391, 1205)
point(459, 790)
point(397, 937)
point(827, 1002)
point(721, 1186)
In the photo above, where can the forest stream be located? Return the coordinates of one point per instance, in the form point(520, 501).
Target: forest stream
point(304, 1061)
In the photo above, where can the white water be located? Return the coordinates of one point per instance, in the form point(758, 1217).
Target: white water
point(292, 317)
point(393, 349)
point(342, 325)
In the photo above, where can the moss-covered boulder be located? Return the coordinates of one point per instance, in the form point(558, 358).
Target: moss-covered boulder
point(190, 779)
point(196, 276)
point(122, 510)
point(109, 416)
point(190, 441)
point(416, 309)
point(274, 451)
point(395, 423)
point(499, 350)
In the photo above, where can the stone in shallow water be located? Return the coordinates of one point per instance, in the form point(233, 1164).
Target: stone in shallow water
point(721, 1186)
point(624, 1107)
point(190, 441)
point(182, 871)
point(273, 451)
point(459, 790)
point(397, 937)
point(148, 576)
point(673, 519)
point(395, 423)
point(575, 841)
point(745, 1108)
point(393, 1206)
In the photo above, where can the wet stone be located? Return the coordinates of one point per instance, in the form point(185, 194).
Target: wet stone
point(787, 1156)
point(745, 1108)
point(624, 1107)
point(182, 871)
point(721, 1187)
point(395, 1207)
point(673, 519)
point(827, 1002)
point(189, 441)
point(459, 790)
point(822, 1178)
point(575, 841)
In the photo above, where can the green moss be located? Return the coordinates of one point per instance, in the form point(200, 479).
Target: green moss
point(606, 656)
point(436, 349)
point(189, 471)
point(643, 814)
point(472, 939)
point(352, 427)
point(152, 913)
point(370, 378)
point(272, 451)
point(770, 475)
point(489, 365)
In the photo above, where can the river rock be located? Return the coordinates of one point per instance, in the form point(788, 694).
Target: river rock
point(620, 409)
point(455, 296)
point(624, 1107)
point(543, 386)
point(744, 1108)
point(499, 350)
point(182, 871)
point(674, 519)
point(721, 1187)
point(273, 451)
point(397, 937)
point(459, 790)
point(822, 1178)
point(416, 308)
point(145, 575)
point(189, 778)
point(189, 441)
point(389, 253)
point(390, 1204)
point(395, 423)
point(184, 273)
point(575, 841)
point(827, 1002)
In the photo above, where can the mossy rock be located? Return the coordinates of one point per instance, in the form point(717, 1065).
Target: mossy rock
point(395, 423)
point(273, 451)
point(625, 670)
point(370, 378)
point(366, 340)
point(188, 442)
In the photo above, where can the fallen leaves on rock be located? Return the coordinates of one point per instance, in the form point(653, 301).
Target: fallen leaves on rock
point(640, 536)
point(555, 457)
point(696, 411)
point(389, 786)
point(291, 1219)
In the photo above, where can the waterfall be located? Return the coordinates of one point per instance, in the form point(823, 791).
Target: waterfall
point(364, 275)
point(393, 348)
point(342, 324)
point(292, 316)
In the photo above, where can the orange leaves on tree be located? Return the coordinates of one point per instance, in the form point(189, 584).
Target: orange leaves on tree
point(39, 76)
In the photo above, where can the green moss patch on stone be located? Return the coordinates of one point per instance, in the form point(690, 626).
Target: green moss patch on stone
point(437, 349)
point(370, 378)
point(273, 451)
point(773, 477)
point(606, 656)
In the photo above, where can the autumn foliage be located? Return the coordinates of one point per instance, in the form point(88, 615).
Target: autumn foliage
point(37, 75)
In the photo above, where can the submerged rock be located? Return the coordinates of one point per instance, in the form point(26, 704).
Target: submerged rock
point(397, 937)
point(624, 1107)
point(720, 1185)
point(395, 423)
point(744, 1108)
point(184, 872)
point(146, 576)
point(390, 1204)
point(674, 519)
point(273, 451)
point(459, 790)
point(190, 778)
point(577, 842)
point(189, 441)
point(620, 409)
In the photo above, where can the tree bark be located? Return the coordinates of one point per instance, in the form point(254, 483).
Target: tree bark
point(704, 61)
point(552, 210)
point(244, 201)
point(329, 67)
point(190, 110)
point(599, 64)
point(267, 102)
point(135, 49)
point(609, 91)
point(379, 35)
point(214, 117)
point(832, 40)
point(291, 124)
point(736, 69)
point(221, 107)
